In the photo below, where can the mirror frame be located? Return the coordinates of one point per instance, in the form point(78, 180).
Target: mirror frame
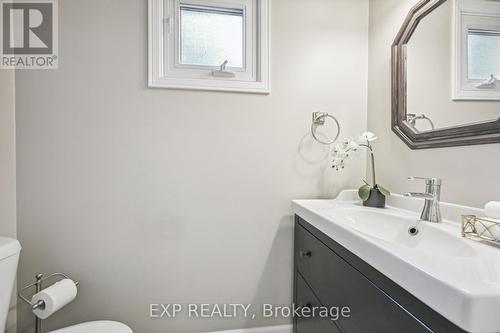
point(483, 132)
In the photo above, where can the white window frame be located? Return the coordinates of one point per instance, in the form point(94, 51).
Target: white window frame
point(166, 71)
point(471, 14)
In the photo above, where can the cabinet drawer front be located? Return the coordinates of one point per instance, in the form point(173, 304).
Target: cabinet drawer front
point(305, 297)
point(336, 283)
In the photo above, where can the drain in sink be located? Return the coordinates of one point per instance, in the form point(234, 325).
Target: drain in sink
point(413, 231)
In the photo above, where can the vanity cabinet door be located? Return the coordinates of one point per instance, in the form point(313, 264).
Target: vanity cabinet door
point(337, 283)
point(305, 297)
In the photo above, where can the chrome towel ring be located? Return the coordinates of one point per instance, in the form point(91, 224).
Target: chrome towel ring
point(412, 120)
point(318, 119)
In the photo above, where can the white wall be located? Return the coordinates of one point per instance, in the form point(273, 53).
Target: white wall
point(178, 196)
point(469, 173)
point(8, 166)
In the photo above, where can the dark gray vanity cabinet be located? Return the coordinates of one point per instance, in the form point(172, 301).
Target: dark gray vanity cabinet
point(326, 274)
point(305, 297)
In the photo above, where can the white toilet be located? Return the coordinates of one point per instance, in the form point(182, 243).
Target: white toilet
point(9, 257)
point(96, 327)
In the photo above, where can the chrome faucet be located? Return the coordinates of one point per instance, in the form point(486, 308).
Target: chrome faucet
point(432, 196)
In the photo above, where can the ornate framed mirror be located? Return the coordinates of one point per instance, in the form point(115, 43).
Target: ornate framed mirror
point(445, 74)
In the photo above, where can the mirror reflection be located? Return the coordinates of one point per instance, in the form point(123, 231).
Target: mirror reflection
point(453, 66)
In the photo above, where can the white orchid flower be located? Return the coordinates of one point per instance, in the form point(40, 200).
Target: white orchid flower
point(342, 153)
point(367, 137)
point(338, 163)
point(348, 148)
point(353, 146)
point(336, 148)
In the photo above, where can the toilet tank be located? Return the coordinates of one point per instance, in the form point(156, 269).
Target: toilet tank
point(9, 256)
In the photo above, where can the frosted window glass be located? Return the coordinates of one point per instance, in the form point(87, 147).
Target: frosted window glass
point(484, 54)
point(209, 36)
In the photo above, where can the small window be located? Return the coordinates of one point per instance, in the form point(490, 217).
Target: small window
point(476, 55)
point(483, 54)
point(211, 35)
point(209, 45)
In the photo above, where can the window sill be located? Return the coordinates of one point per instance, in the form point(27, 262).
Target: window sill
point(211, 85)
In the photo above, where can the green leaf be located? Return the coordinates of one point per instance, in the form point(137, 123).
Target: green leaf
point(384, 191)
point(364, 192)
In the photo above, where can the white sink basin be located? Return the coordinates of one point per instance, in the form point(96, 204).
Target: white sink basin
point(457, 277)
point(394, 227)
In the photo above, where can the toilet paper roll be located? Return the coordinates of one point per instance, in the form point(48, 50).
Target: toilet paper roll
point(492, 210)
point(55, 297)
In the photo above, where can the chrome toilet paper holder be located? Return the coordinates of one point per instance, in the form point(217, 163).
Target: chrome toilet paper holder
point(40, 279)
